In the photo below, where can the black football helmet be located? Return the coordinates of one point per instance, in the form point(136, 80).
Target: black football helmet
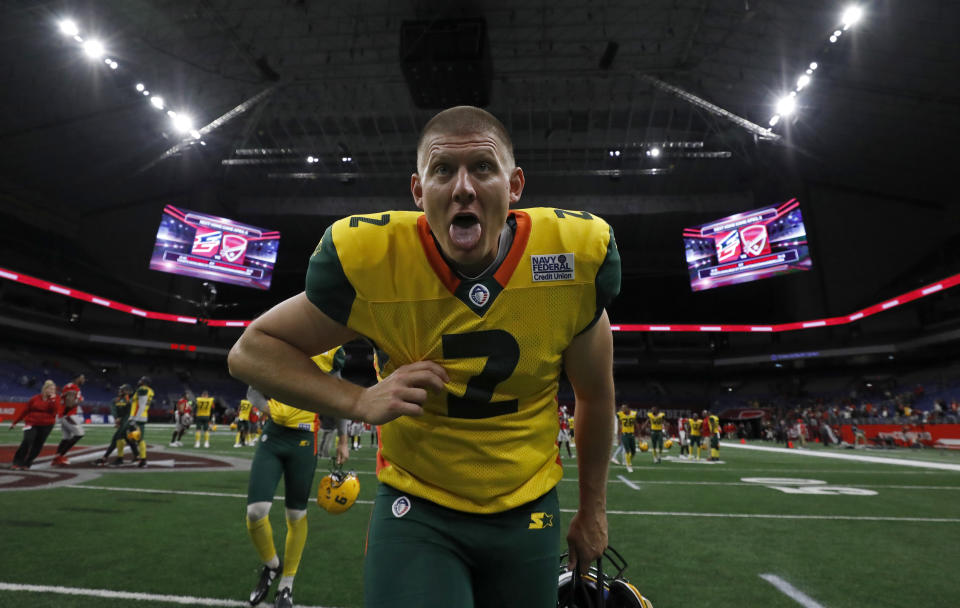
point(596, 589)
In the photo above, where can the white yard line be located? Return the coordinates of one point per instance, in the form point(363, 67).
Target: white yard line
point(179, 492)
point(792, 592)
point(127, 595)
point(628, 482)
point(903, 462)
point(936, 520)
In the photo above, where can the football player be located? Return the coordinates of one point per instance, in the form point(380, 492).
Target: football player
point(183, 418)
point(627, 421)
point(654, 422)
point(696, 433)
point(243, 423)
point(71, 420)
point(120, 408)
point(139, 406)
point(287, 450)
point(204, 412)
point(478, 308)
point(713, 426)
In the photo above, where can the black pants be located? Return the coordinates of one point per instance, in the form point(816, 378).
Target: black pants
point(33, 440)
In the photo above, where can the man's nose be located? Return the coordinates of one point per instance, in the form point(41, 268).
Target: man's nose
point(463, 190)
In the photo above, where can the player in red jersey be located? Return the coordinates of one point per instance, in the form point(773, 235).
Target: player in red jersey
point(71, 420)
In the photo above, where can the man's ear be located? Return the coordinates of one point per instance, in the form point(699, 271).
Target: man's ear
point(517, 182)
point(416, 189)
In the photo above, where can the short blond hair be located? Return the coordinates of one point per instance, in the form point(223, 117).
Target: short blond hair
point(464, 120)
point(48, 383)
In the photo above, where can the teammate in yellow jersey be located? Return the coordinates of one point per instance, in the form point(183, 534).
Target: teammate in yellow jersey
point(713, 428)
point(696, 433)
point(627, 428)
point(139, 408)
point(654, 423)
point(202, 418)
point(287, 449)
point(243, 423)
point(478, 308)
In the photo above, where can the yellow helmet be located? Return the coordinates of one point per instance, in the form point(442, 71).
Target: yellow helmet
point(233, 426)
point(338, 491)
point(133, 433)
point(644, 446)
point(668, 444)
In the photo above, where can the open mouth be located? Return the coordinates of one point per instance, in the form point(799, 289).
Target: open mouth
point(465, 230)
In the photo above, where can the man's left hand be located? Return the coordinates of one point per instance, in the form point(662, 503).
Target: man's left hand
point(586, 538)
point(343, 450)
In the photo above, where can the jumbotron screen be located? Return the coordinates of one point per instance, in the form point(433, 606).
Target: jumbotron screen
point(747, 246)
point(214, 248)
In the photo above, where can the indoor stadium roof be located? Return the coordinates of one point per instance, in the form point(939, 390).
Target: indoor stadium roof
point(587, 89)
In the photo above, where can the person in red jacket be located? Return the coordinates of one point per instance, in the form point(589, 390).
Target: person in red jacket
point(39, 417)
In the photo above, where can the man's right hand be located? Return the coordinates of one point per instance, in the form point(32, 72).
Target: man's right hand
point(401, 393)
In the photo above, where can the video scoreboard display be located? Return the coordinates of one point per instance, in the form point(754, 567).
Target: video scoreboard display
point(747, 246)
point(214, 248)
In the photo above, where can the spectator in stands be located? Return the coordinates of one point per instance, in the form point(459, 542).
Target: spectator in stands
point(39, 416)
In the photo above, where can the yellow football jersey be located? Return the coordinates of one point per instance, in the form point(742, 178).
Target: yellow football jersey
point(244, 412)
point(714, 424)
point(204, 406)
point(628, 421)
point(656, 421)
point(695, 425)
point(291, 417)
point(488, 443)
point(140, 403)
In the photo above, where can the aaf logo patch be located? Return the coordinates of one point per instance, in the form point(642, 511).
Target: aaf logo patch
point(305, 426)
point(540, 520)
point(401, 506)
point(552, 267)
point(479, 295)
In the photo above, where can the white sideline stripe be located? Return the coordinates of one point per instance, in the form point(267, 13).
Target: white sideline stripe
point(922, 464)
point(666, 513)
point(127, 595)
point(628, 482)
point(935, 520)
point(180, 492)
point(792, 592)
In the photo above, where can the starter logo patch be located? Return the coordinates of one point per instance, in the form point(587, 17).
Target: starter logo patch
point(552, 267)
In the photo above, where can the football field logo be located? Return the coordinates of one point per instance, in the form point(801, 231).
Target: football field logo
point(728, 246)
point(401, 506)
point(479, 295)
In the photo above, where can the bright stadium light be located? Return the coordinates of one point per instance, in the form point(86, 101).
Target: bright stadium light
point(833, 39)
point(774, 120)
point(182, 123)
point(195, 134)
point(802, 82)
point(814, 65)
point(786, 105)
point(114, 65)
point(654, 152)
point(94, 49)
point(140, 87)
point(68, 27)
point(851, 16)
point(157, 102)
point(171, 114)
point(146, 93)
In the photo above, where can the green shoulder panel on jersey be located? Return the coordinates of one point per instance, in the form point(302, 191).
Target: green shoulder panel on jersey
point(339, 359)
point(327, 285)
point(607, 280)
